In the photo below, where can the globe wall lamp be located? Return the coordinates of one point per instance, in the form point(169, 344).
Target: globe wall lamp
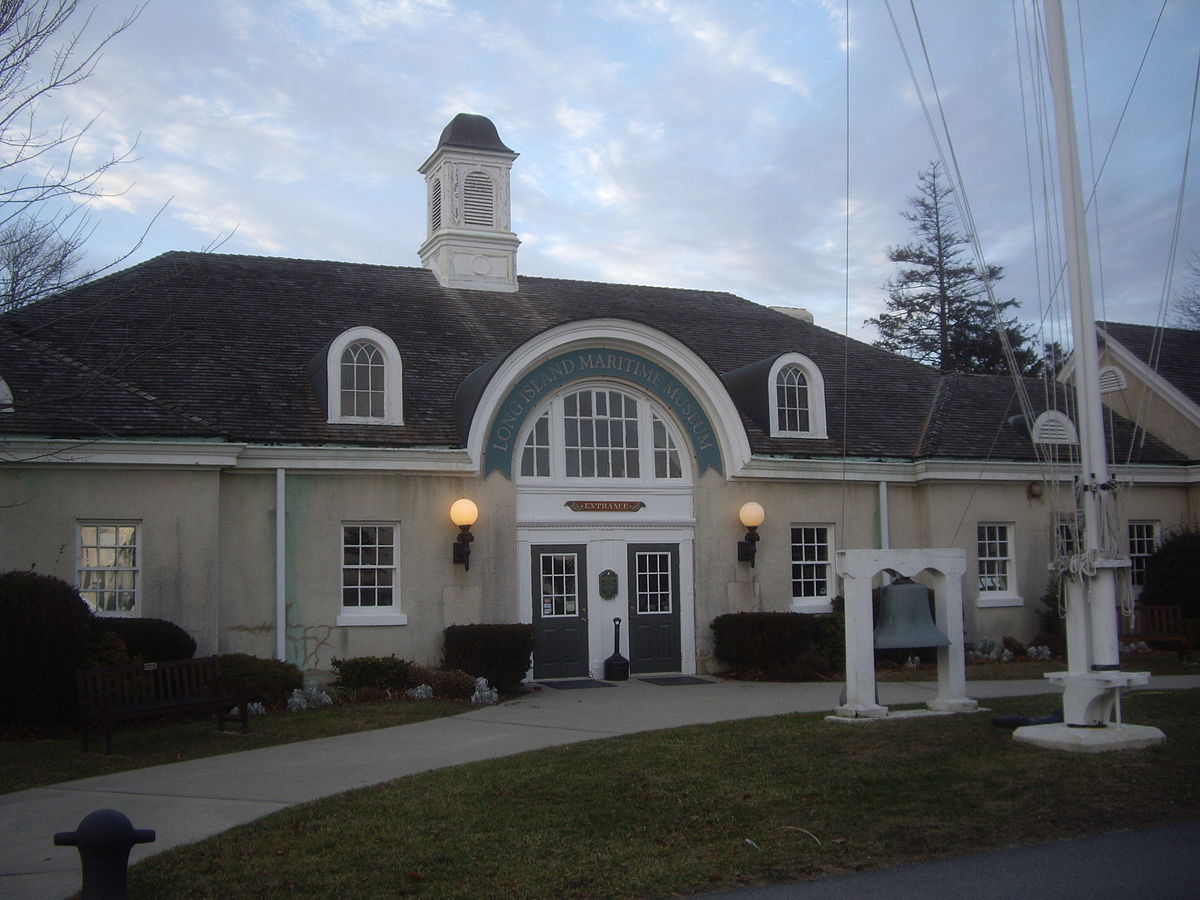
point(751, 515)
point(463, 513)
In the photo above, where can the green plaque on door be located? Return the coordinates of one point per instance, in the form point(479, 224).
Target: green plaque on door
point(608, 584)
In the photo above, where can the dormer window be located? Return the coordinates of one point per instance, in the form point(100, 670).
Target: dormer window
point(364, 379)
point(791, 400)
point(6, 397)
point(797, 397)
point(479, 201)
point(363, 371)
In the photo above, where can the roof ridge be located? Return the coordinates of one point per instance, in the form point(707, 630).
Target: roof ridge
point(931, 429)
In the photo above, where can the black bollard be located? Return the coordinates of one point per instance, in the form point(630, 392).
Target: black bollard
point(104, 839)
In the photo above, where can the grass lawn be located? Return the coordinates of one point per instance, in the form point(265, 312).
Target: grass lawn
point(700, 808)
point(31, 763)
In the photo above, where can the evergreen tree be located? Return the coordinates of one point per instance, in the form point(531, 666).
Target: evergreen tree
point(938, 310)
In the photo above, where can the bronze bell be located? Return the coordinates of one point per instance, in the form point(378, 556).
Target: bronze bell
point(905, 619)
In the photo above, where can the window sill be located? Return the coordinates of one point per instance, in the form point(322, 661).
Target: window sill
point(353, 619)
point(811, 605)
point(988, 601)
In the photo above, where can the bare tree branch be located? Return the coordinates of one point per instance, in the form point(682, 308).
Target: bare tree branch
point(43, 187)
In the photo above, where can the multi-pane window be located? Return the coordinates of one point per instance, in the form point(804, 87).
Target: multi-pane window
point(1143, 539)
point(368, 567)
point(560, 584)
point(535, 458)
point(107, 568)
point(994, 545)
point(811, 556)
point(363, 381)
point(653, 588)
point(601, 434)
point(666, 454)
point(791, 401)
point(1068, 541)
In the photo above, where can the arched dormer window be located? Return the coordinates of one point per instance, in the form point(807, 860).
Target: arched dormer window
point(479, 200)
point(364, 379)
point(797, 397)
point(6, 397)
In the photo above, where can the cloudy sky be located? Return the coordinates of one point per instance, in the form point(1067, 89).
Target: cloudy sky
point(686, 143)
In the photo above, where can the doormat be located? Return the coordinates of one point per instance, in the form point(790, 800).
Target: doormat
point(673, 680)
point(574, 684)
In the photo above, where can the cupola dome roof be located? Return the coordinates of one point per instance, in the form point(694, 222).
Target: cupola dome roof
point(473, 132)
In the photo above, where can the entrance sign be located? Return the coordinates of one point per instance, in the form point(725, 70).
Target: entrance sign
point(597, 362)
point(604, 505)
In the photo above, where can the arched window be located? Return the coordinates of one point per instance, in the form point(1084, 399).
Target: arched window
point(6, 397)
point(791, 400)
point(363, 389)
point(363, 378)
point(601, 432)
point(479, 201)
point(797, 397)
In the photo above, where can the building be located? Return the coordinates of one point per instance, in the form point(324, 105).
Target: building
point(266, 451)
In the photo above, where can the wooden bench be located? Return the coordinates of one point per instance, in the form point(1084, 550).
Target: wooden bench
point(148, 690)
point(1162, 624)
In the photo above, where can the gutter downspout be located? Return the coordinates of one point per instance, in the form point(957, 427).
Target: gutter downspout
point(280, 567)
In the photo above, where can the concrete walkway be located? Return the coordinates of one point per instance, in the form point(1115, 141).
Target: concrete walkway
point(188, 801)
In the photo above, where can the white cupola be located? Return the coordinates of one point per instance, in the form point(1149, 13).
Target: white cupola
point(469, 244)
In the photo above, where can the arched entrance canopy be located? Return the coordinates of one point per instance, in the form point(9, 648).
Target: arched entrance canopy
point(496, 401)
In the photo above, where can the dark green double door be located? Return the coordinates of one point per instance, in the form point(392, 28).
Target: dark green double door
point(563, 587)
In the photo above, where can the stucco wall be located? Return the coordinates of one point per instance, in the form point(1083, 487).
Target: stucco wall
point(178, 511)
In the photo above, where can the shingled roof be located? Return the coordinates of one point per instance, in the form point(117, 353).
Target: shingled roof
point(218, 346)
point(1174, 353)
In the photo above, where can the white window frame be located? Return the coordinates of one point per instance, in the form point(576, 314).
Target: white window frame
point(648, 410)
point(393, 380)
point(822, 603)
point(370, 615)
point(816, 396)
point(1007, 596)
point(82, 566)
point(1134, 568)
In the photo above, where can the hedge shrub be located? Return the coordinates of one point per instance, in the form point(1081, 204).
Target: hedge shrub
point(152, 640)
point(383, 673)
point(270, 680)
point(499, 653)
point(45, 634)
point(1173, 572)
point(792, 646)
point(452, 683)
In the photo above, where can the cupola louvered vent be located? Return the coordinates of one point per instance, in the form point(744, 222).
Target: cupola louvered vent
point(478, 200)
point(435, 205)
